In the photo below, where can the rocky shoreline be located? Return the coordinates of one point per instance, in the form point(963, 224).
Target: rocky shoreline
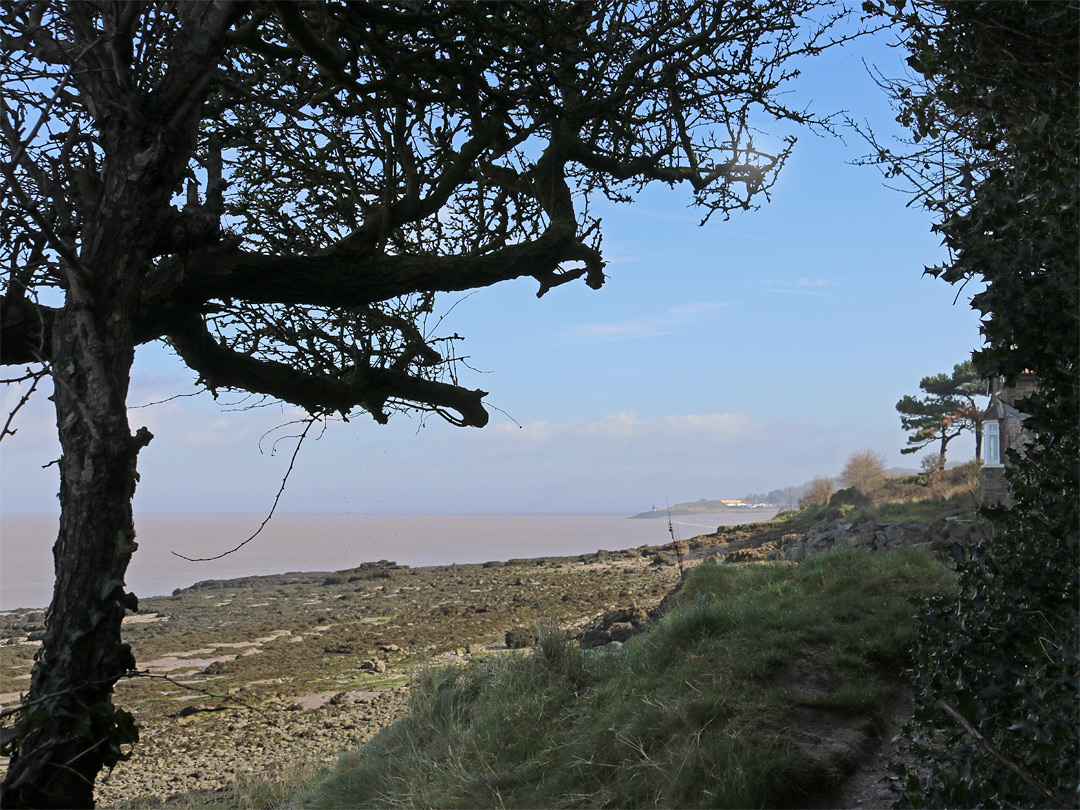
point(269, 678)
point(253, 677)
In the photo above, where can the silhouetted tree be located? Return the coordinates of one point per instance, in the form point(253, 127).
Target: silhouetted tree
point(948, 408)
point(279, 190)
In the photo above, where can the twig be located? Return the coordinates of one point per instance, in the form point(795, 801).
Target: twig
point(130, 674)
point(990, 749)
point(504, 413)
point(83, 753)
point(6, 430)
point(29, 375)
point(231, 698)
point(30, 703)
point(60, 85)
point(277, 498)
point(163, 401)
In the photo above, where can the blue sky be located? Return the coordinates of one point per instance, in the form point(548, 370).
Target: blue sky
point(740, 356)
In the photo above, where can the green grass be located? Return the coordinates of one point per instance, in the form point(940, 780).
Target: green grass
point(694, 713)
point(926, 510)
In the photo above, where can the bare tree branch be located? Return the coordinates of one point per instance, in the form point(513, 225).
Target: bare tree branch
point(369, 388)
point(35, 378)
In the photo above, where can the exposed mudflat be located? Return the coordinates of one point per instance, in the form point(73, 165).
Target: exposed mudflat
point(261, 675)
point(256, 675)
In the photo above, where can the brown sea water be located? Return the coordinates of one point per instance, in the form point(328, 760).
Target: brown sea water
point(330, 543)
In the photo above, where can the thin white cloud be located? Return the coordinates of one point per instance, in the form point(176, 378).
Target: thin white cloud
point(800, 286)
point(616, 256)
point(204, 425)
point(667, 323)
point(689, 218)
point(701, 309)
point(619, 459)
point(624, 330)
point(799, 282)
point(802, 292)
point(615, 430)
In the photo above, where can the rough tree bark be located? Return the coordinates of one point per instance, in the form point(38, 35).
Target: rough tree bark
point(83, 656)
point(71, 729)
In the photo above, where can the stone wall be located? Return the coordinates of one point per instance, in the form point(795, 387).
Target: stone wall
point(994, 487)
point(877, 538)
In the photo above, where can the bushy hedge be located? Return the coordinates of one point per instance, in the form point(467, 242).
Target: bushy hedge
point(997, 668)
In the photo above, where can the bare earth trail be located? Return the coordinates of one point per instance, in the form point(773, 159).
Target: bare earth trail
point(260, 675)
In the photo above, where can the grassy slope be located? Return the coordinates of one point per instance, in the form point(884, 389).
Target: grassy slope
point(707, 709)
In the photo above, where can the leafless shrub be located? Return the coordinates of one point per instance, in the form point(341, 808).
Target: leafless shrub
point(818, 492)
point(932, 463)
point(865, 470)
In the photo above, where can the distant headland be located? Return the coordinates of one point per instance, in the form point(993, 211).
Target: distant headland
point(702, 506)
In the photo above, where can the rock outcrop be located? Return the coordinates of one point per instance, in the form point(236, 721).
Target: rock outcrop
point(616, 625)
point(877, 538)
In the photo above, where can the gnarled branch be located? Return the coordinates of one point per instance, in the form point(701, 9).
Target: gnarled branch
point(367, 388)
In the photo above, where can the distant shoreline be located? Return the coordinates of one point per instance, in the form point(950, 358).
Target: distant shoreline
point(750, 511)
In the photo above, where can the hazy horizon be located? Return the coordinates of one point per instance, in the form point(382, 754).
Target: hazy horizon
point(331, 543)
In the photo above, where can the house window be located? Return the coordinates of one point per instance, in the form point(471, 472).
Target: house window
point(991, 443)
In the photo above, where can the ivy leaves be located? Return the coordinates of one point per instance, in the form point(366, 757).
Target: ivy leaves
point(997, 668)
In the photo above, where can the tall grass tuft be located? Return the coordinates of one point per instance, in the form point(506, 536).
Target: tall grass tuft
point(696, 712)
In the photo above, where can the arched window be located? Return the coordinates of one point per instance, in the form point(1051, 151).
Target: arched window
point(991, 443)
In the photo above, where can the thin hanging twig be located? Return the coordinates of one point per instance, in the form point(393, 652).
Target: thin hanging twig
point(163, 401)
point(277, 498)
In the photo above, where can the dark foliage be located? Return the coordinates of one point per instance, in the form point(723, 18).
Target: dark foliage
point(995, 150)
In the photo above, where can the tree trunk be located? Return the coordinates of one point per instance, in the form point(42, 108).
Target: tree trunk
point(69, 729)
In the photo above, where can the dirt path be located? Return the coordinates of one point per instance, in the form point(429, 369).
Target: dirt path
point(871, 786)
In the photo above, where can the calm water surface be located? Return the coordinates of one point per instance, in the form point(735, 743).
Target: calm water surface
point(328, 543)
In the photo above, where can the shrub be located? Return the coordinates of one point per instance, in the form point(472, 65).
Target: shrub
point(849, 497)
point(865, 470)
point(899, 490)
point(997, 665)
point(817, 492)
point(932, 463)
point(965, 478)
